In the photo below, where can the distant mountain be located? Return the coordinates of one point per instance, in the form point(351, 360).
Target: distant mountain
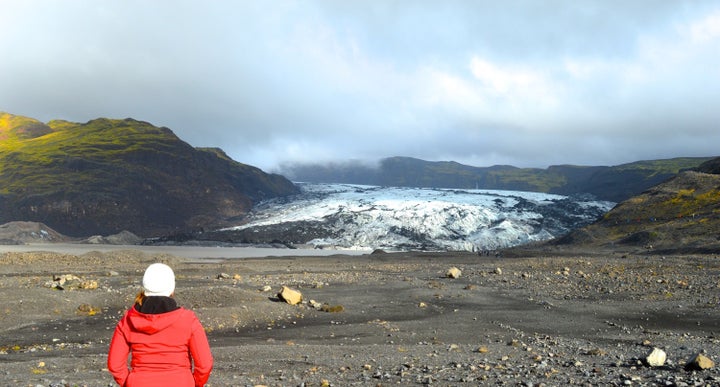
point(614, 183)
point(681, 215)
point(108, 175)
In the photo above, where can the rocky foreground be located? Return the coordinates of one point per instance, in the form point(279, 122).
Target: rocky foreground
point(382, 319)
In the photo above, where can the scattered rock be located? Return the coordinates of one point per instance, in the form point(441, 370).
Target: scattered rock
point(596, 352)
point(656, 358)
point(266, 288)
point(498, 271)
point(87, 310)
point(315, 305)
point(88, 285)
point(70, 282)
point(453, 272)
point(223, 276)
point(291, 296)
point(699, 362)
point(332, 308)
point(121, 238)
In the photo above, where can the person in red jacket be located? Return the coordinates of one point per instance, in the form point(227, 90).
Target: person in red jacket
point(167, 342)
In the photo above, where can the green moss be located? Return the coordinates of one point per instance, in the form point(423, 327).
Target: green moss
point(531, 179)
point(661, 167)
point(72, 155)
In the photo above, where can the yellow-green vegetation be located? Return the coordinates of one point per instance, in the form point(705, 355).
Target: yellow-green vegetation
point(665, 166)
point(685, 203)
point(14, 129)
point(680, 213)
point(67, 154)
point(109, 175)
point(531, 179)
point(689, 203)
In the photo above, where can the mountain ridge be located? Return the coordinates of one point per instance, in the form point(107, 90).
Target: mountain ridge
point(109, 175)
point(612, 183)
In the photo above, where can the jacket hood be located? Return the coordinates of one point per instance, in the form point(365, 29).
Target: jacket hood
point(152, 323)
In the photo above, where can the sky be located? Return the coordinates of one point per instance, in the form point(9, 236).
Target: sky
point(524, 83)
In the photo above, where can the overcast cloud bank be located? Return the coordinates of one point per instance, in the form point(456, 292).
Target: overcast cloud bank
point(521, 82)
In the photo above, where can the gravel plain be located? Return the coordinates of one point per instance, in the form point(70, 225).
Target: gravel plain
point(530, 318)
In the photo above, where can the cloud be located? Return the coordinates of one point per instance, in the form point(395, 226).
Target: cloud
point(519, 82)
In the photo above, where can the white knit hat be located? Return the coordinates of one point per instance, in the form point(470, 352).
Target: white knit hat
point(159, 280)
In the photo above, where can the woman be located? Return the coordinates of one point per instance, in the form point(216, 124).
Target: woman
point(168, 344)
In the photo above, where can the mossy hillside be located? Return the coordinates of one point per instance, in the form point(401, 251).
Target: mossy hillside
point(81, 156)
point(107, 175)
point(14, 129)
point(615, 183)
point(528, 179)
point(690, 195)
point(407, 171)
point(681, 213)
point(662, 166)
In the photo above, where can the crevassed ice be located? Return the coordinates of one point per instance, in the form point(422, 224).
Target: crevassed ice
point(388, 217)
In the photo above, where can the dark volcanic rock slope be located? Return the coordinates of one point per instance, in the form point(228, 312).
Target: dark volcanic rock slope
point(681, 215)
point(106, 176)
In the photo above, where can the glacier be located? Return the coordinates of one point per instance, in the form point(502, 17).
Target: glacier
point(363, 217)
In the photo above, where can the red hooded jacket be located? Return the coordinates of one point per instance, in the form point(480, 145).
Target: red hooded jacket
point(164, 347)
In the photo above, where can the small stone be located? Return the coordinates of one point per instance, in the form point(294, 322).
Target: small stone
point(332, 308)
point(314, 304)
point(291, 296)
point(422, 305)
point(223, 276)
point(596, 352)
point(656, 358)
point(700, 362)
point(453, 272)
point(498, 271)
point(88, 285)
point(87, 310)
point(266, 288)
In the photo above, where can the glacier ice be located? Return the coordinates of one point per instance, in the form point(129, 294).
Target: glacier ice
point(394, 218)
